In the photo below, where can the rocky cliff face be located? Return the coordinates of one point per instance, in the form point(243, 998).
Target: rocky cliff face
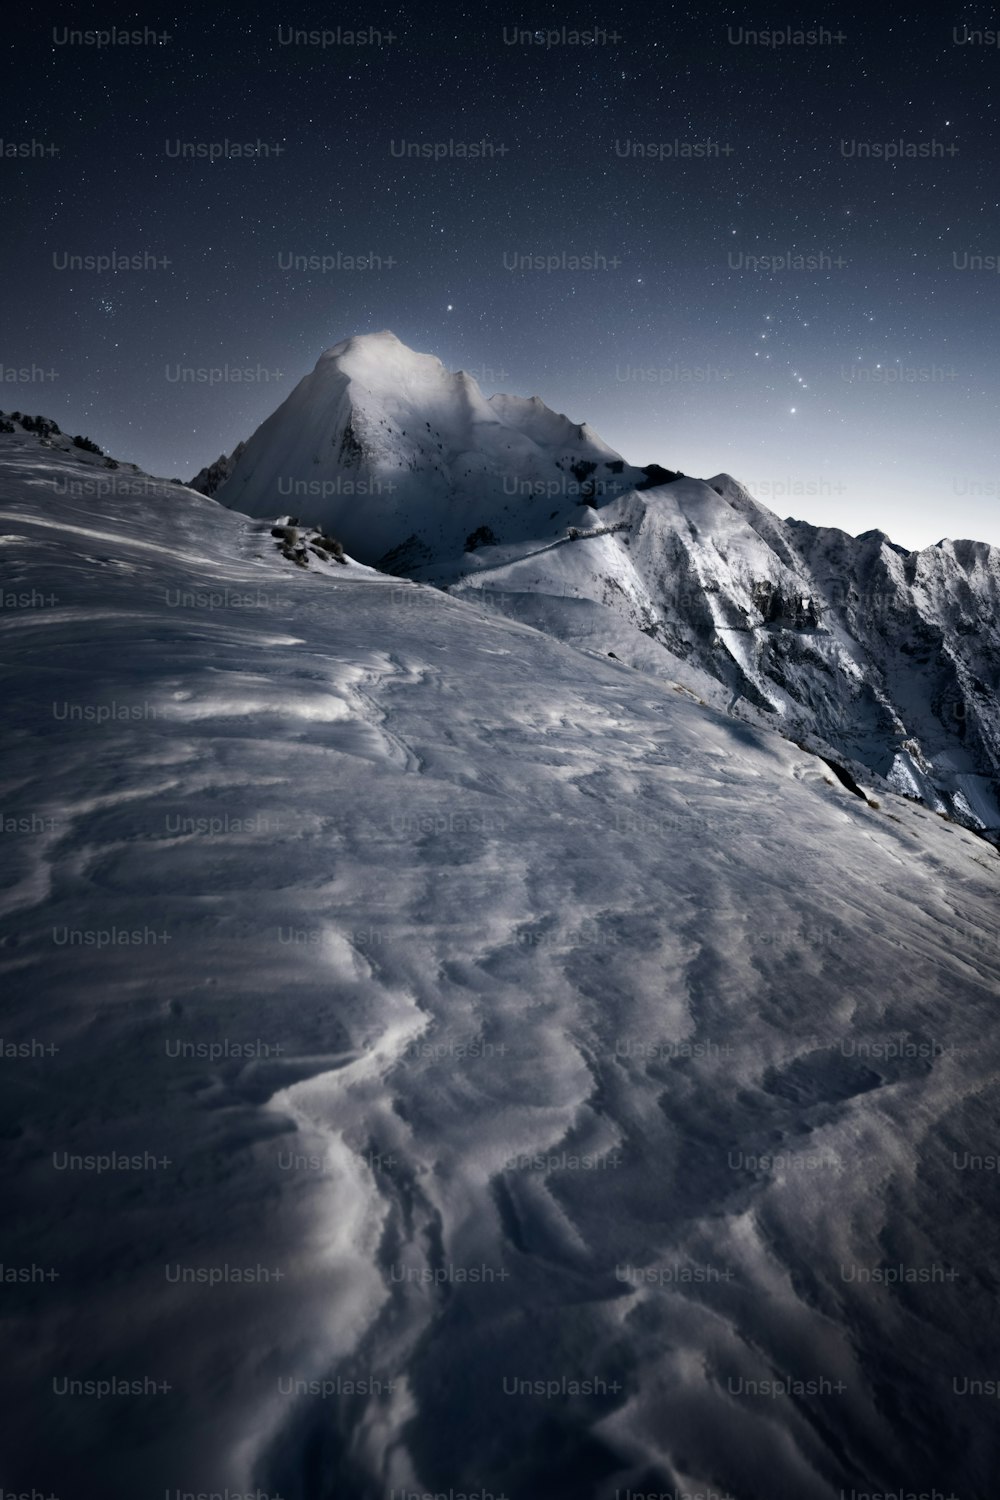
point(213, 476)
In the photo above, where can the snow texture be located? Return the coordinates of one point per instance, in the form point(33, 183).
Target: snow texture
point(573, 1049)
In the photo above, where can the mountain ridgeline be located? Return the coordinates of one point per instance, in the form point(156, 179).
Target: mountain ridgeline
point(889, 658)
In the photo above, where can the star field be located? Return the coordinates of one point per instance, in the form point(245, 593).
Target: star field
point(722, 253)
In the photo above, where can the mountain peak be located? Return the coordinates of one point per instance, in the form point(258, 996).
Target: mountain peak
point(389, 449)
point(383, 339)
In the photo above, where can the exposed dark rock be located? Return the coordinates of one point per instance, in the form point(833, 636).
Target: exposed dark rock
point(844, 776)
point(655, 475)
point(408, 555)
point(214, 476)
point(481, 537)
point(351, 449)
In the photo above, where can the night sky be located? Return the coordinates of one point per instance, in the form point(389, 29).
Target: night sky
point(858, 388)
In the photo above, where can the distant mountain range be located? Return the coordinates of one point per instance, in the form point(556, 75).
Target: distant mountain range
point(889, 659)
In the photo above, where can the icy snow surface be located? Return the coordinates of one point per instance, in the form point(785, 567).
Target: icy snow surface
point(614, 1032)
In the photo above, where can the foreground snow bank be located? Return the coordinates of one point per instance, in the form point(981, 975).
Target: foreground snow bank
point(478, 1066)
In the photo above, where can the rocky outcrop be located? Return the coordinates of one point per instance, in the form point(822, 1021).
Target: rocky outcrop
point(211, 478)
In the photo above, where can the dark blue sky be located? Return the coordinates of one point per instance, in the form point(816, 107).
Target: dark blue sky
point(775, 293)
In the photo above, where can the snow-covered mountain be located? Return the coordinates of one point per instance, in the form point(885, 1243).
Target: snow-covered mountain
point(439, 1060)
point(389, 449)
point(889, 659)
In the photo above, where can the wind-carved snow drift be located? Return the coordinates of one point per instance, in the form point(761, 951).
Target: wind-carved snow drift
point(890, 659)
point(437, 1060)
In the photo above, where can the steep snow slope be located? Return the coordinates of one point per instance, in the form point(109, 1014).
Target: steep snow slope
point(891, 659)
point(556, 1071)
point(927, 627)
